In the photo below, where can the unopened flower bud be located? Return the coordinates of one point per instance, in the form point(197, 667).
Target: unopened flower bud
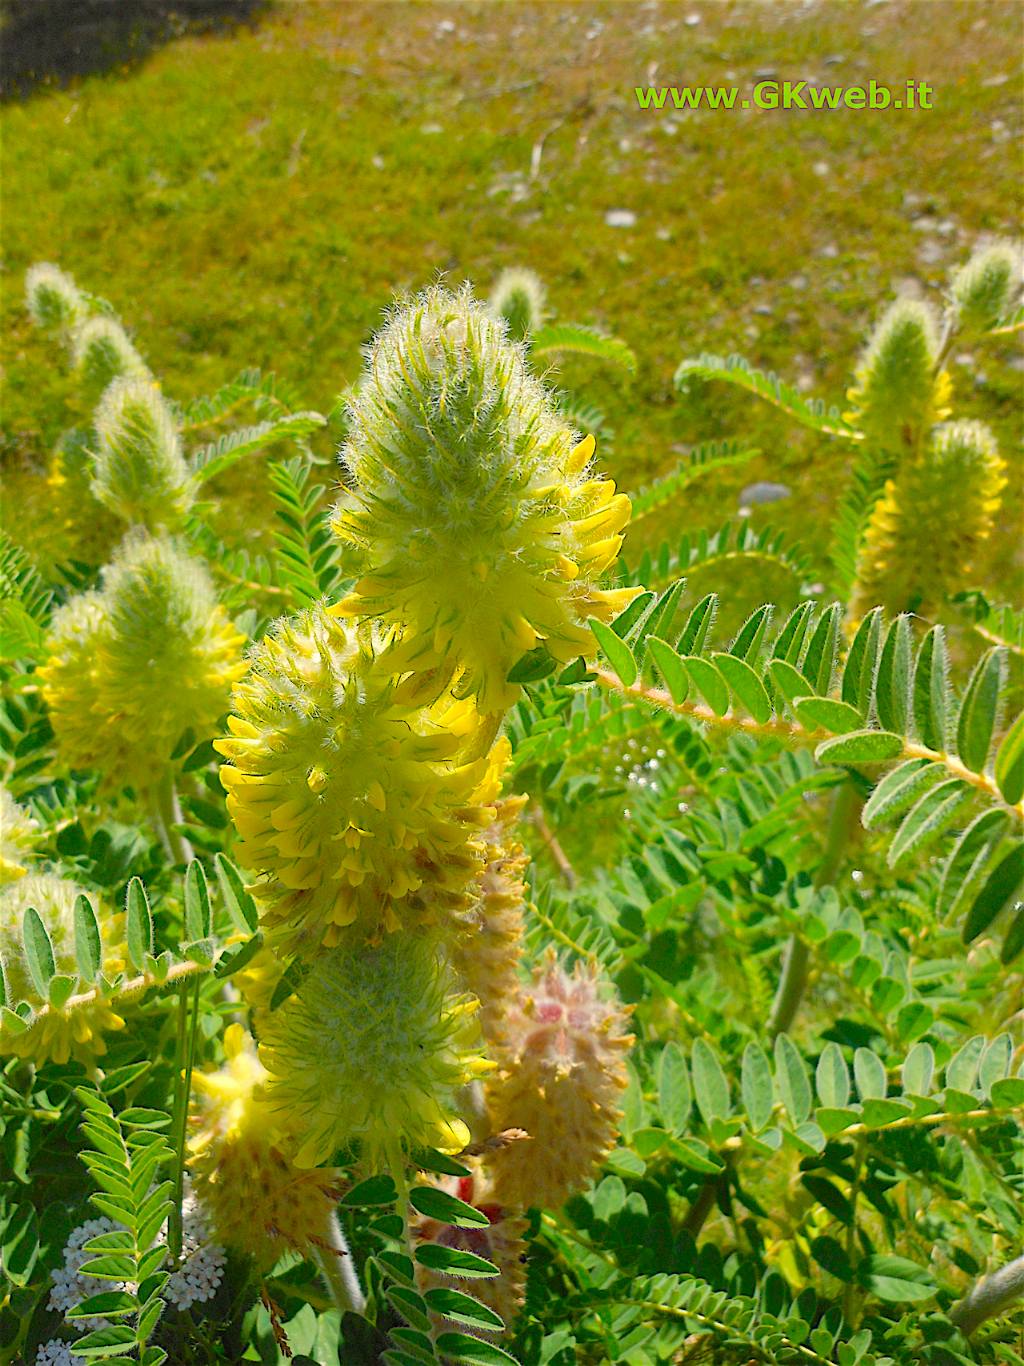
point(518, 297)
point(139, 471)
point(984, 289)
point(54, 300)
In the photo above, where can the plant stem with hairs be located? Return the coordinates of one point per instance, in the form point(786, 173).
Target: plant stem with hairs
point(796, 959)
point(989, 1296)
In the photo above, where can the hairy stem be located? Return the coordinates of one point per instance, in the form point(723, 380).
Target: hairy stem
point(339, 1272)
point(565, 868)
point(181, 1106)
point(989, 1296)
point(796, 959)
point(165, 810)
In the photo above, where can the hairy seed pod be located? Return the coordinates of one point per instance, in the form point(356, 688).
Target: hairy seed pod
point(102, 351)
point(518, 297)
point(373, 1046)
point(561, 1077)
point(354, 808)
point(57, 1033)
point(139, 470)
point(475, 520)
point(930, 522)
point(258, 1201)
point(19, 833)
point(502, 1242)
point(135, 664)
point(897, 396)
point(54, 301)
point(487, 959)
point(983, 290)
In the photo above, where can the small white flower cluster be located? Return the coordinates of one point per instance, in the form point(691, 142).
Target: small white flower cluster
point(56, 1353)
point(194, 1282)
point(70, 1286)
point(202, 1266)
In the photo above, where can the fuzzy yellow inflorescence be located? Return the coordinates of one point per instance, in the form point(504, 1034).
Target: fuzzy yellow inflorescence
point(926, 529)
point(487, 959)
point(102, 351)
point(258, 1200)
point(57, 1033)
point(561, 1078)
point(983, 291)
point(356, 809)
point(897, 394)
point(54, 300)
point(518, 297)
point(133, 665)
point(374, 1046)
point(502, 1243)
point(18, 834)
point(139, 470)
point(478, 525)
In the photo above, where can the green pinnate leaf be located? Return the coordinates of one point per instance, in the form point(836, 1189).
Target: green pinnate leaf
point(927, 819)
point(832, 1078)
point(862, 661)
point(756, 1087)
point(616, 651)
point(918, 1070)
point(1000, 887)
point(38, 951)
point(897, 790)
point(674, 1099)
point(708, 682)
point(892, 683)
point(710, 1086)
point(869, 1073)
point(746, 686)
point(930, 692)
point(979, 710)
point(966, 866)
point(88, 944)
point(792, 1080)
point(138, 923)
point(445, 1208)
point(1009, 765)
point(671, 668)
point(825, 713)
point(860, 747)
point(198, 914)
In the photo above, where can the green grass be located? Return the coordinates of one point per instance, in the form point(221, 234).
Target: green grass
point(257, 200)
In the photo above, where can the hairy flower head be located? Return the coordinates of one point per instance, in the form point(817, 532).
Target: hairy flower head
point(53, 299)
point(561, 1078)
point(518, 297)
point(984, 289)
point(19, 832)
point(257, 1199)
point(356, 809)
point(486, 960)
point(56, 1033)
point(139, 470)
point(373, 1046)
point(102, 351)
point(135, 664)
point(897, 395)
point(930, 522)
point(474, 517)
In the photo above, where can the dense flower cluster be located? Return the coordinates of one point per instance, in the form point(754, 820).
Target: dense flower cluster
point(356, 808)
point(898, 393)
point(134, 664)
point(139, 470)
point(18, 834)
point(479, 527)
point(363, 1014)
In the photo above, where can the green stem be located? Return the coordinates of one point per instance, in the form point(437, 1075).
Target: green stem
point(166, 814)
point(339, 1271)
point(850, 1290)
point(989, 1296)
point(796, 960)
point(181, 1111)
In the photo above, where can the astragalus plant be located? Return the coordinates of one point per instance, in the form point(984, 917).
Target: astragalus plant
point(425, 940)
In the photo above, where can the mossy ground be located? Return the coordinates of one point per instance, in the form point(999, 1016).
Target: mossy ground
point(258, 199)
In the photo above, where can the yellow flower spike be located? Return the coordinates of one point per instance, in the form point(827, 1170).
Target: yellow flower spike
point(56, 1034)
point(487, 959)
point(134, 665)
point(897, 397)
point(929, 523)
point(259, 1201)
point(372, 1047)
point(562, 1075)
point(18, 834)
point(468, 502)
point(387, 835)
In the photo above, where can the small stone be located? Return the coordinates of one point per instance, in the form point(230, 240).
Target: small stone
point(620, 218)
point(445, 26)
point(763, 492)
point(692, 20)
point(432, 128)
point(821, 168)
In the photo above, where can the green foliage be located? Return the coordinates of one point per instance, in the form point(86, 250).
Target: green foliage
point(789, 840)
